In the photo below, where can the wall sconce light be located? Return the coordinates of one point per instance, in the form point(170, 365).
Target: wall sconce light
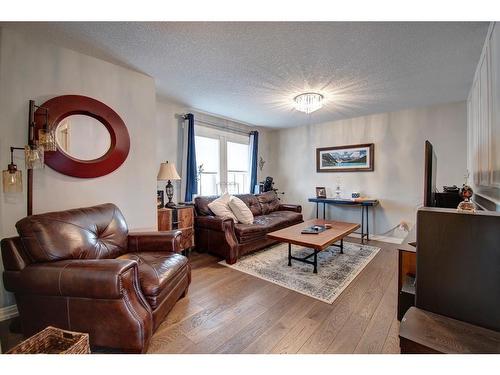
point(261, 163)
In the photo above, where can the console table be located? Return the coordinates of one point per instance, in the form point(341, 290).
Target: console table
point(365, 204)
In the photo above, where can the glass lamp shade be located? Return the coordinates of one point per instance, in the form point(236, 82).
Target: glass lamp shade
point(47, 140)
point(12, 181)
point(33, 157)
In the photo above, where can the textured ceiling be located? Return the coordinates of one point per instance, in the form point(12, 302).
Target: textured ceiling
point(251, 71)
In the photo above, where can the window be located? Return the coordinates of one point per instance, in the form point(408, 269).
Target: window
point(207, 158)
point(238, 179)
point(223, 162)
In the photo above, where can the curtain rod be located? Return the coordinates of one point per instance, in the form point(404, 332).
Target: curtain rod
point(221, 127)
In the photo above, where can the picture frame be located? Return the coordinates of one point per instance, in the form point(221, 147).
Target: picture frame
point(160, 199)
point(320, 192)
point(350, 158)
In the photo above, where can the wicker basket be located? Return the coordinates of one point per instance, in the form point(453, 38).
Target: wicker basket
point(54, 341)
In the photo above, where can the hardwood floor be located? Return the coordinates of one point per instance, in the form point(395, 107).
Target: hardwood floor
point(227, 311)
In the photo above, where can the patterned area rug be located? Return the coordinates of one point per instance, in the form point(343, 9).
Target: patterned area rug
point(335, 270)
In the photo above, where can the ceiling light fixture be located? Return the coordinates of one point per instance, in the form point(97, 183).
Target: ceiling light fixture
point(308, 102)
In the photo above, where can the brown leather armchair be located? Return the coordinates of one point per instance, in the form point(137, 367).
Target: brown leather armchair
point(82, 270)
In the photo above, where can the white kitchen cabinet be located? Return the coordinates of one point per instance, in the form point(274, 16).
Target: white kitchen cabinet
point(483, 117)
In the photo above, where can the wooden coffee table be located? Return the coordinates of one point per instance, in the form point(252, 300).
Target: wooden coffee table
point(317, 242)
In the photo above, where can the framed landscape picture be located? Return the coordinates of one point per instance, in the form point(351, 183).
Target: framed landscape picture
point(352, 158)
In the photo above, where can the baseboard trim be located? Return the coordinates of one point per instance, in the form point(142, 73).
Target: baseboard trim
point(8, 312)
point(376, 237)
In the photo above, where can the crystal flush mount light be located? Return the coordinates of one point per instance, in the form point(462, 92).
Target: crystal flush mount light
point(308, 102)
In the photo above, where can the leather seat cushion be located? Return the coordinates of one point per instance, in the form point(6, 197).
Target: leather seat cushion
point(291, 217)
point(158, 273)
point(264, 224)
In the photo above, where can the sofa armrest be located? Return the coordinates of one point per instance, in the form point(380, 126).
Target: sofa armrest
point(213, 223)
point(93, 278)
point(155, 241)
point(290, 207)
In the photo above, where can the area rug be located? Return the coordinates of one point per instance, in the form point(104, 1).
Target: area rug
point(335, 270)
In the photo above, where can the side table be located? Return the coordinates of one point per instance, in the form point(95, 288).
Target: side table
point(181, 218)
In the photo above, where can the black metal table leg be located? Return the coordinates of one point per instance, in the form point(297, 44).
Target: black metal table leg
point(367, 225)
point(362, 224)
point(289, 254)
point(315, 261)
point(342, 246)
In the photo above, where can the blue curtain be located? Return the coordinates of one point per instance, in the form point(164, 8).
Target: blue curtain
point(254, 150)
point(191, 171)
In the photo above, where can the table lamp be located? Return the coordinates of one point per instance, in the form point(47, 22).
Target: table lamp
point(168, 173)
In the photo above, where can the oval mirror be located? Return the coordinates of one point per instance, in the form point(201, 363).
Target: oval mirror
point(92, 138)
point(83, 137)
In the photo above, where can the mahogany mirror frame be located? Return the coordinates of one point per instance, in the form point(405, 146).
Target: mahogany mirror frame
point(63, 106)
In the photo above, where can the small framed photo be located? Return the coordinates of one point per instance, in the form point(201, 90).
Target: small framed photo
point(160, 200)
point(320, 192)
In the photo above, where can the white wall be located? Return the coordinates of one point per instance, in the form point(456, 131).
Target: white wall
point(36, 71)
point(168, 144)
point(399, 160)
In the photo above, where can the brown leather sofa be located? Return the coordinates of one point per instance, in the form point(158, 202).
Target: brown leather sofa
point(228, 240)
point(83, 271)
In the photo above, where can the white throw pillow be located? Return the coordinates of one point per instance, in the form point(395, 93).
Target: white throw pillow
point(220, 207)
point(241, 210)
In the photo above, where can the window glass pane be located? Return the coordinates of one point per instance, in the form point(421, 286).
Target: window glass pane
point(237, 157)
point(207, 158)
point(237, 168)
point(207, 153)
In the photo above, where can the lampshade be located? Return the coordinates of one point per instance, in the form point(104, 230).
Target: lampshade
point(12, 180)
point(34, 157)
point(47, 139)
point(167, 172)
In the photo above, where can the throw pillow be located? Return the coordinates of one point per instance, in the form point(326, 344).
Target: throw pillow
point(220, 207)
point(240, 210)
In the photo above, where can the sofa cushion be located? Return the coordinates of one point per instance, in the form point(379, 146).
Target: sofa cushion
point(220, 207)
point(240, 210)
point(157, 273)
point(201, 205)
point(268, 202)
point(84, 233)
point(291, 217)
point(250, 232)
point(264, 224)
point(252, 203)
